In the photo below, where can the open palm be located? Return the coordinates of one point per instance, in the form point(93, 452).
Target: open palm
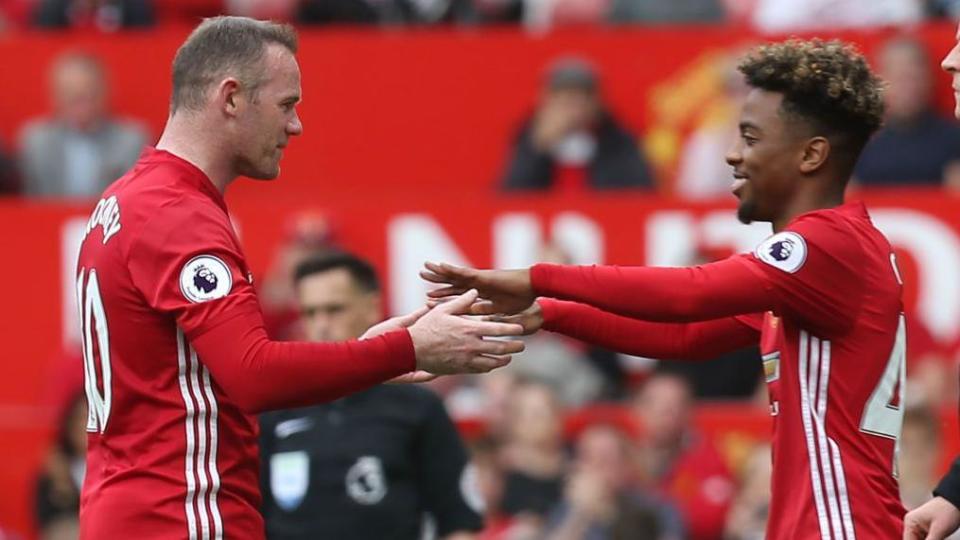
point(501, 291)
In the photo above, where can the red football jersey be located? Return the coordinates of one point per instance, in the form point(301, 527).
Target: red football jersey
point(160, 276)
point(824, 298)
point(834, 360)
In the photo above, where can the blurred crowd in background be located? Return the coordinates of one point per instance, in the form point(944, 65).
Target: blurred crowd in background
point(571, 141)
point(639, 470)
point(765, 15)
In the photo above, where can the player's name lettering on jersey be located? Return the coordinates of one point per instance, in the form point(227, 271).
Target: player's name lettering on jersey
point(106, 215)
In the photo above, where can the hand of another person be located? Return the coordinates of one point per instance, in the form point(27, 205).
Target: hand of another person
point(531, 319)
point(934, 520)
point(446, 343)
point(553, 121)
point(502, 291)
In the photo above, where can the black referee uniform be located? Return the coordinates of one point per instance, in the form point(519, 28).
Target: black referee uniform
point(371, 466)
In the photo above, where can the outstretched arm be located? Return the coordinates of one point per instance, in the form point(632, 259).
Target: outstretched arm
point(700, 293)
point(697, 293)
point(811, 272)
point(667, 341)
point(260, 374)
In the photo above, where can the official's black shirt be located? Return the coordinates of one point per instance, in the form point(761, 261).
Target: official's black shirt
point(368, 466)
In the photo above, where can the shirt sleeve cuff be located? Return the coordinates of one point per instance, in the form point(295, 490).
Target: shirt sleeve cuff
point(550, 310)
point(401, 342)
point(542, 277)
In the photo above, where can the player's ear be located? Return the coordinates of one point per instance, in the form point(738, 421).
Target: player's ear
point(815, 153)
point(228, 96)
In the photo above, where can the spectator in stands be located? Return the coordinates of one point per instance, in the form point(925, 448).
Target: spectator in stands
point(490, 484)
point(493, 12)
point(800, 15)
point(276, 10)
point(600, 499)
point(561, 363)
point(337, 11)
point(747, 519)
point(916, 145)
point(485, 400)
point(920, 445)
point(104, 15)
point(544, 14)
point(572, 143)
point(81, 149)
point(684, 466)
point(387, 12)
point(57, 503)
point(674, 11)
point(532, 454)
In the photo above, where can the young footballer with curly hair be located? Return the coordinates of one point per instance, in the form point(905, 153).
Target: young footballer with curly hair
point(822, 296)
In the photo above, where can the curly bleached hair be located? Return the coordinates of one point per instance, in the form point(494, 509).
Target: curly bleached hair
point(826, 83)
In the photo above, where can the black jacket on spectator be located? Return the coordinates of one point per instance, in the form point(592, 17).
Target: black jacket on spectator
point(949, 487)
point(388, 12)
point(910, 154)
point(523, 493)
point(617, 163)
point(337, 11)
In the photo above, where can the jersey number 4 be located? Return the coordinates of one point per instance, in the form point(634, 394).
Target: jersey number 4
point(882, 416)
point(95, 342)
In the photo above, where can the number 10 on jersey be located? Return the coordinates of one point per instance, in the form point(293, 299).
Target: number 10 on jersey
point(95, 342)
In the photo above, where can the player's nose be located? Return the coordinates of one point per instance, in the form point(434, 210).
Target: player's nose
point(951, 62)
point(733, 156)
point(295, 126)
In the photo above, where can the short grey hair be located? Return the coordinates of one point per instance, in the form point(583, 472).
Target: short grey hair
point(220, 47)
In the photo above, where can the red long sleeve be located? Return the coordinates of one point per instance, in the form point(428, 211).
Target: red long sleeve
point(700, 293)
point(666, 341)
point(260, 374)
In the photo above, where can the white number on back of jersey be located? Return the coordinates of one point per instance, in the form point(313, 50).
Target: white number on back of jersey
point(880, 416)
point(93, 331)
